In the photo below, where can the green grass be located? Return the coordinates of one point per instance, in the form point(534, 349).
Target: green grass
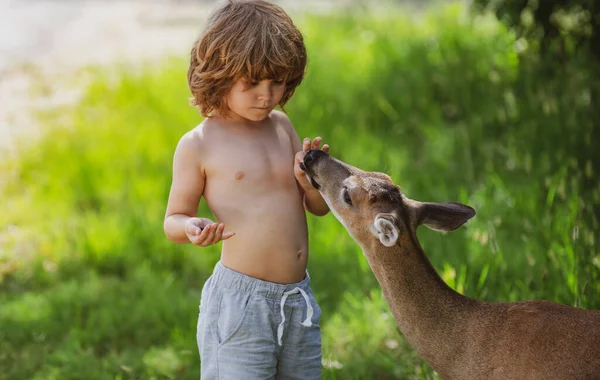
point(91, 289)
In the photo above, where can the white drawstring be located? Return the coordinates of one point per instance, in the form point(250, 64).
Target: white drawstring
point(309, 311)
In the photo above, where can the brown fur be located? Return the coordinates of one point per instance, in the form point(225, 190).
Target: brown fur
point(461, 338)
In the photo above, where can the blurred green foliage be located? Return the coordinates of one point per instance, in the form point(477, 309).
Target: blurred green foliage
point(558, 27)
point(448, 104)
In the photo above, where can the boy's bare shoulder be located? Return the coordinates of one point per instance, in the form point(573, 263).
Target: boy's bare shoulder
point(201, 134)
point(194, 141)
point(191, 139)
point(282, 119)
point(280, 116)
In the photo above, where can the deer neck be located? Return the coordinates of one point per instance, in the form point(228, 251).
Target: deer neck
point(429, 313)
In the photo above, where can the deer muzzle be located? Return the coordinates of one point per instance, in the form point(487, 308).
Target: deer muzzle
point(310, 163)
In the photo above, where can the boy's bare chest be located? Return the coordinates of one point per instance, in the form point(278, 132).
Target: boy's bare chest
point(267, 157)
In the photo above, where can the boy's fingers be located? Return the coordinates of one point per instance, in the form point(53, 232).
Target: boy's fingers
point(211, 234)
point(325, 148)
point(316, 142)
point(300, 156)
point(306, 144)
point(227, 235)
point(218, 233)
point(205, 237)
point(195, 240)
point(190, 229)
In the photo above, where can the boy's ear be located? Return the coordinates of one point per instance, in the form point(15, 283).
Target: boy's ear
point(444, 216)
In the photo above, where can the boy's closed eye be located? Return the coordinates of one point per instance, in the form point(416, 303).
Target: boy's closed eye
point(275, 81)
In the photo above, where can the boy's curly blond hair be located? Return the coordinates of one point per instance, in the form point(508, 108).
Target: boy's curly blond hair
point(250, 39)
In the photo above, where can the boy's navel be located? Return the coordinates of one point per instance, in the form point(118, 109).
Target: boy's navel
point(239, 175)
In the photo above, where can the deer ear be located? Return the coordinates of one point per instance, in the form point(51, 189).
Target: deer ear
point(444, 216)
point(385, 229)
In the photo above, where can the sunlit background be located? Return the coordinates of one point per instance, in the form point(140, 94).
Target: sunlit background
point(492, 103)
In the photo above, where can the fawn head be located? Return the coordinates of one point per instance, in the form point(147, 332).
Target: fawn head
point(371, 206)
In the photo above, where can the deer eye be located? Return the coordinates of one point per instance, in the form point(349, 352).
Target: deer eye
point(346, 196)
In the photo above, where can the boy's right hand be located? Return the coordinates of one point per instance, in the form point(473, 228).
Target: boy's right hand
point(203, 232)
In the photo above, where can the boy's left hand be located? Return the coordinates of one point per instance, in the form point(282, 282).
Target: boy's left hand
point(306, 146)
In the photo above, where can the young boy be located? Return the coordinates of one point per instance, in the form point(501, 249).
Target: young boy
point(258, 317)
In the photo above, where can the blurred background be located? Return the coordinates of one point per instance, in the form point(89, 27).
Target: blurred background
point(493, 103)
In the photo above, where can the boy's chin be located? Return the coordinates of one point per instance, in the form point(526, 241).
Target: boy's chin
point(253, 115)
point(257, 116)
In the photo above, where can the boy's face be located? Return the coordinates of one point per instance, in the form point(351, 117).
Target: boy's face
point(254, 101)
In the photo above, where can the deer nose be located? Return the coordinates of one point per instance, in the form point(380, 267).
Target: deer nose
point(312, 155)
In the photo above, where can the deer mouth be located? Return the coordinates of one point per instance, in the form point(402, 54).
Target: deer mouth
point(308, 165)
point(310, 178)
point(313, 182)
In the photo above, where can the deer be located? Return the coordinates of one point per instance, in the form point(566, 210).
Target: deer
point(458, 336)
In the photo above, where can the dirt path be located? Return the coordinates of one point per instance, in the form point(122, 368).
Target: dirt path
point(45, 44)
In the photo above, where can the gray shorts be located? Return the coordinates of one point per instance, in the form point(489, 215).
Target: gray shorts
point(254, 329)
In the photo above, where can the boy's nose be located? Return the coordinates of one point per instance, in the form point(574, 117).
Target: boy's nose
point(265, 92)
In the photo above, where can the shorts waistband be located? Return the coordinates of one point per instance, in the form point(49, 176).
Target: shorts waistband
point(241, 282)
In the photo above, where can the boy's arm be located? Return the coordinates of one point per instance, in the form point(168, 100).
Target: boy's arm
point(181, 224)
point(313, 201)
